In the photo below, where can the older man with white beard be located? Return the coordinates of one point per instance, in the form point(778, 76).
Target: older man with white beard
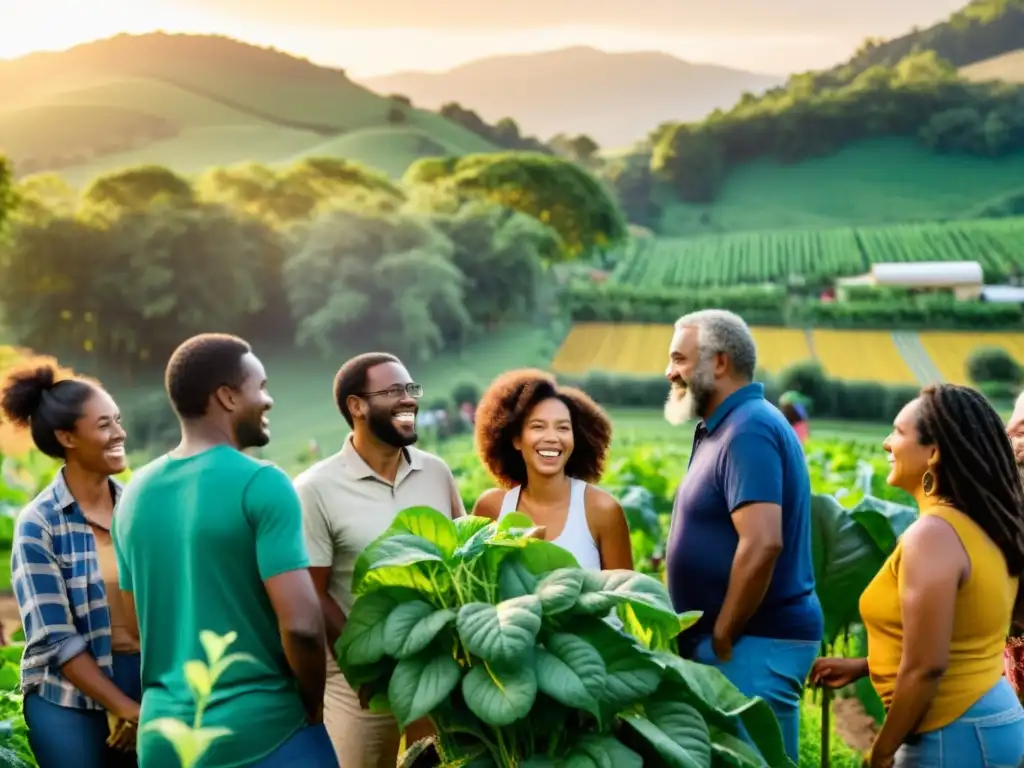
point(739, 548)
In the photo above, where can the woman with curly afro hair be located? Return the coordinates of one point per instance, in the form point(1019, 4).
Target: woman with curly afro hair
point(544, 445)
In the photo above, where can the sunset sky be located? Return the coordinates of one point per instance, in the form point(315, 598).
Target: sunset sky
point(370, 37)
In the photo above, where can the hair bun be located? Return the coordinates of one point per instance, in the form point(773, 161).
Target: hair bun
point(23, 391)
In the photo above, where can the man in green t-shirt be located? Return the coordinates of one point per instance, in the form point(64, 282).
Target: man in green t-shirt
point(208, 539)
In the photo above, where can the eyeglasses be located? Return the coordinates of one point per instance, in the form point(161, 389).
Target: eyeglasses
point(411, 389)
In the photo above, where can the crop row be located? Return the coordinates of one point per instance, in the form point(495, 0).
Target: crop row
point(818, 256)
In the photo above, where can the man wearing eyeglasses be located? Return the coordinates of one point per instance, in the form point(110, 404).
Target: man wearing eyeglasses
point(348, 500)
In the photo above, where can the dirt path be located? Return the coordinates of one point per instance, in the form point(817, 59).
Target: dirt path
point(856, 727)
point(9, 615)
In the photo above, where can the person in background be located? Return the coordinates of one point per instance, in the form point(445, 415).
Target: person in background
point(80, 667)
point(937, 613)
point(739, 545)
point(796, 415)
point(348, 500)
point(546, 446)
point(209, 539)
point(1014, 653)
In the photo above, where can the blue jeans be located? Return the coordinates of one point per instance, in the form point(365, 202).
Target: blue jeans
point(775, 670)
point(63, 737)
point(990, 734)
point(310, 747)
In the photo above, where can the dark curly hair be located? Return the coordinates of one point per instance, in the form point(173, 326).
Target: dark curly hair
point(505, 406)
point(32, 397)
point(199, 367)
point(977, 471)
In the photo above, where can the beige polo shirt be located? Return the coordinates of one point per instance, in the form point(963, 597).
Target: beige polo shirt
point(346, 505)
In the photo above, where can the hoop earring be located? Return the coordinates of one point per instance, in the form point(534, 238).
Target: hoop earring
point(928, 483)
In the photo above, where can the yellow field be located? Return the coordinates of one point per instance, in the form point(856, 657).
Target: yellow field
point(861, 356)
point(642, 350)
point(950, 350)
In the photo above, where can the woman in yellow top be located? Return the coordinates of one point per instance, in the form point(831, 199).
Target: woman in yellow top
point(938, 611)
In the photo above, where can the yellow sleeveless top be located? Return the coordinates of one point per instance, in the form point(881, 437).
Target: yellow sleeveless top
point(984, 605)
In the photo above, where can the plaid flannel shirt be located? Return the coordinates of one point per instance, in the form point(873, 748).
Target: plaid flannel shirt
point(61, 597)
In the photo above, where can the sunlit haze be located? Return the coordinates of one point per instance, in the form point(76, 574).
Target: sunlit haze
point(366, 49)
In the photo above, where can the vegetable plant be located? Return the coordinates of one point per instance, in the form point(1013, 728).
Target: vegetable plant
point(519, 657)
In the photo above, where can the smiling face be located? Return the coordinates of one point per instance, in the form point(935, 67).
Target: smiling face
point(252, 403)
point(909, 459)
point(97, 441)
point(387, 408)
point(1015, 431)
point(546, 441)
point(692, 378)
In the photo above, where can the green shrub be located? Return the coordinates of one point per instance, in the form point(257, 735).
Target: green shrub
point(994, 365)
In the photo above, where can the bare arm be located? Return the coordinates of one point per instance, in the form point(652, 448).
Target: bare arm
point(458, 509)
point(489, 504)
point(300, 618)
point(334, 617)
point(609, 528)
point(759, 527)
point(933, 564)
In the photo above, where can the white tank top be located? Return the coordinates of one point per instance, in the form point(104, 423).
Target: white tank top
point(575, 537)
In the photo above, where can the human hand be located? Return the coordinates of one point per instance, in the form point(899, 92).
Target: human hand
point(123, 733)
point(721, 644)
point(835, 672)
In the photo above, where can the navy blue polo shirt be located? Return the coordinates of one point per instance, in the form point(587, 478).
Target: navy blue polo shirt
point(744, 453)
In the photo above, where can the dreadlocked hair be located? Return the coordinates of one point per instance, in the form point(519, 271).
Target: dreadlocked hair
point(977, 472)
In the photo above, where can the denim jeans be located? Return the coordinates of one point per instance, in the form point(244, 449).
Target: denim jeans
point(63, 737)
point(775, 670)
point(310, 747)
point(990, 734)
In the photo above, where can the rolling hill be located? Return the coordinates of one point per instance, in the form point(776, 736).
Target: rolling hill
point(190, 101)
point(615, 98)
point(1008, 67)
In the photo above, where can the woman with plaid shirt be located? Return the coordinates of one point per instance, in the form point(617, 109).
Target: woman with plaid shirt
point(80, 672)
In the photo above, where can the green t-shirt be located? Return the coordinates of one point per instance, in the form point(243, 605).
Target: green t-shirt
point(195, 540)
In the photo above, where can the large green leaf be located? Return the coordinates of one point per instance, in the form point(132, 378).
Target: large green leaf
point(559, 590)
point(467, 526)
point(500, 696)
point(429, 524)
point(571, 671)
point(885, 521)
point(723, 705)
point(362, 639)
point(514, 580)
point(602, 751)
point(500, 633)
point(420, 684)
point(541, 557)
point(603, 590)
point(412, 626)
point(676, 731)
point(732, 750)
point(640, 507)
point(399, 560)
point(846, 559)
point(631, 673)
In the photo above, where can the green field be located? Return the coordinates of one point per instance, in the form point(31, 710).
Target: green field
point(872, 182)
point(191, 102)
point(1009, 68)
point(818, 254)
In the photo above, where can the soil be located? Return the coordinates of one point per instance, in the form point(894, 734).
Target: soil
point(854, 726)
point(9, 615)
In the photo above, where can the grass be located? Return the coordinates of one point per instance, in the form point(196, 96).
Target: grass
point(872, 182)
point(230, 102)
point(840, 755)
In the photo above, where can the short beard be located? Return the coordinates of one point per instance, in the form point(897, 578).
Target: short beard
point(382, 428)
point(251, 434)
point(686, 406)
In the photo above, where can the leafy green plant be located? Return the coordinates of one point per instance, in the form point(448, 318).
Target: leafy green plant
point(14, 748)
point(191, 742)
point(513, 652)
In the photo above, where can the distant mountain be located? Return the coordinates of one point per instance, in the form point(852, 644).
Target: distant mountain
point(195, 101)
point(615, 98)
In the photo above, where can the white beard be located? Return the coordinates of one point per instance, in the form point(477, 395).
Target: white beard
point(680, 408)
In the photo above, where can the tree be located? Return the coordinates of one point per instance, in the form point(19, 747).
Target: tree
point(6, 193)
point(384, 279)
point(554, 191)
point(135, 189)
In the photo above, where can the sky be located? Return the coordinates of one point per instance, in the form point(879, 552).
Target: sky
point(373, 37)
